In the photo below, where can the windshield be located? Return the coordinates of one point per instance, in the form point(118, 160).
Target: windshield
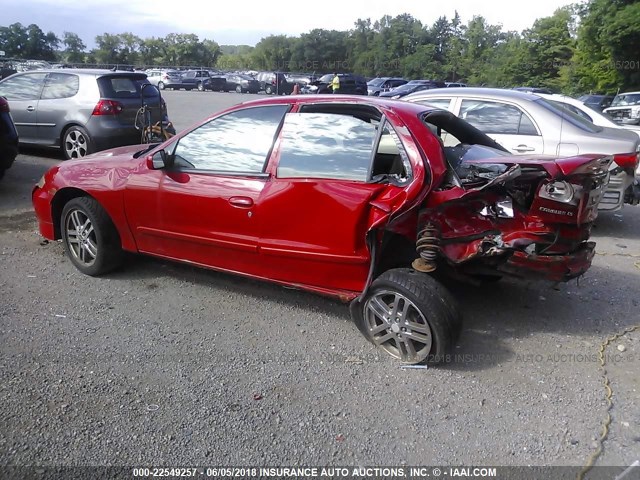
point(566, 114)
point(376, 82)
point(626, 99)
point(326, 78)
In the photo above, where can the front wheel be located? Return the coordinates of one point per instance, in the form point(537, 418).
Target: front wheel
point(268, 89)
point(161, 85)
point(76, 143)
point(410, 316)
point(90, 237)
point(238, 89)
point(200, 87)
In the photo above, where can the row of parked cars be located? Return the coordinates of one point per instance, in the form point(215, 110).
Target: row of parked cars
point(243, 82)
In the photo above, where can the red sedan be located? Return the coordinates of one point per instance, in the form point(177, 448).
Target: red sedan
point(354, 197)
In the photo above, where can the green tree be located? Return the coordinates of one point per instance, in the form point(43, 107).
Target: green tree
point(13, 39)
point(273, 53)
point(107, 49)
point(74, 51)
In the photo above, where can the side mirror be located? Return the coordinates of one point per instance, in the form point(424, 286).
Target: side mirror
point(158, 160)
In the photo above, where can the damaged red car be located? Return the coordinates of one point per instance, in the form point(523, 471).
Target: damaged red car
point(356, 198)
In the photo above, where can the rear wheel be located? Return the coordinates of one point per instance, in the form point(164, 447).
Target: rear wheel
point(410, 316)
point(89, 236)
point(268, 89)
point(76, 143)
point(200, 87)
point(161, 85)
point(238, 89)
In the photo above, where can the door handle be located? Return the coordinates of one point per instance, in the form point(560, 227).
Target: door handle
point(31, 108)
point(524, 148)
point(242, 202)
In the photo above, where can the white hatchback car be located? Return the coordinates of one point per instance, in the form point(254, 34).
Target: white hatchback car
point(526, 123)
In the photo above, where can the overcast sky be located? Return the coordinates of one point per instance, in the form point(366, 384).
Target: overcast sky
point(247, 21)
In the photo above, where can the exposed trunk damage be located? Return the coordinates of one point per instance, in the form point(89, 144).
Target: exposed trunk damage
point(526, 220)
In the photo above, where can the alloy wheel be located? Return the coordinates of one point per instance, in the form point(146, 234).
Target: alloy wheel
point(75, 144)
point(397, 325)
point(81, 237)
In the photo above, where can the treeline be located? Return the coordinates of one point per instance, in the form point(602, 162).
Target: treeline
point(593, 46)
point(32, 43)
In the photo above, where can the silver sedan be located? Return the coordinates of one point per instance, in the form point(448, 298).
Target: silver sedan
point(525, 123)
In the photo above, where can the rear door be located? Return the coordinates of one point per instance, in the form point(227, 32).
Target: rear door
point(23, 93)
point(506, 123)
point(322, 200)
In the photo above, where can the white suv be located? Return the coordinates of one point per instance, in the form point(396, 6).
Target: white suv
point(625, 108)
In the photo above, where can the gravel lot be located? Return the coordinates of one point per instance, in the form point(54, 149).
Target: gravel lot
point(164, 364)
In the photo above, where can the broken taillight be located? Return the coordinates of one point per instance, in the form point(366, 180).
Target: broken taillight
point(627, 161)
point(107, 107)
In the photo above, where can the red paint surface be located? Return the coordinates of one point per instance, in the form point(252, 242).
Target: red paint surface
point(311, 233)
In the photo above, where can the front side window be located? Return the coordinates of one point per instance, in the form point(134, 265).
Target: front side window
point(23, 87)
point(237, 142)
point(60, 85)
point(326, 145)
point(497, 118)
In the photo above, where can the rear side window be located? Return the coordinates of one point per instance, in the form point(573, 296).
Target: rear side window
point(326, 145)
point(497, 118)
point(442, 103)
point(60, 85)
point(23, 87)
point(568, 115)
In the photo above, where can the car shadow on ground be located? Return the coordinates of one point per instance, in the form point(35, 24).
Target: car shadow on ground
point(495, 315)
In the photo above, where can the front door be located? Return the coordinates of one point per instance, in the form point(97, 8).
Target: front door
point(23, 92)
point(202, 209)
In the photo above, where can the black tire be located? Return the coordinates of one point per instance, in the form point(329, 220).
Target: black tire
point(433, 322)
point(96, 248)
point(238, 89)
point(200, 87)
point(76, 143)
point(161, 85)
point(268, 89)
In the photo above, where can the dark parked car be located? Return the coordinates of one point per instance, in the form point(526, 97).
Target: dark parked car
point(597, 102)
point(198, 79)
point(242, 83)
point(350, 197)
point(412, 87)
point(79, 111)
point(383, 84)
point(8, 137)
point(274, 82)
point(349, 84)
